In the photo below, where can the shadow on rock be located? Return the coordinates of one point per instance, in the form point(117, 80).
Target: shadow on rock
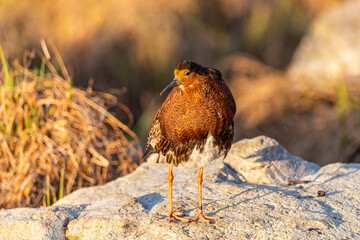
point(148, 201)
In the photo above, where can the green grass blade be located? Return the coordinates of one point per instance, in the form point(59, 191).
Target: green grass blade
point(61, 187)
point(47, 191)
point(7, 82)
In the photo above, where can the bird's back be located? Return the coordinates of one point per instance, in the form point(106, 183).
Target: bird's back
point(194, 119)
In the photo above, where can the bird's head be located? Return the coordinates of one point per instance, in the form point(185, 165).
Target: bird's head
point(184, 73)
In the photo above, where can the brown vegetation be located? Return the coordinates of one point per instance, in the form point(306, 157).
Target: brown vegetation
point(48, 127)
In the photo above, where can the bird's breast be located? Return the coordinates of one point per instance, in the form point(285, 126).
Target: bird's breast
point(190, 115)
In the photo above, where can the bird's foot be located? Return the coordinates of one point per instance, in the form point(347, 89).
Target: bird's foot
point(200, 216)
point(177, 217)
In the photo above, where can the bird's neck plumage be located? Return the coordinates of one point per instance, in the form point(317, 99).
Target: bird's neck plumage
point(199, 109)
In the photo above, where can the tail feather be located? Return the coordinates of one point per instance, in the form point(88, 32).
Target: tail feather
point(149, 150)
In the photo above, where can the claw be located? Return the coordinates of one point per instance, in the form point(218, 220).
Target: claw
point(177, 217)
point(200, 216)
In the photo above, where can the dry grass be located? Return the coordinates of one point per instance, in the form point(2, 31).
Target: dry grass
point(48, 126)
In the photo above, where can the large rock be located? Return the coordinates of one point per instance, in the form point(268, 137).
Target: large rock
point(263, 160)
point(315, 203)
point(329, 54)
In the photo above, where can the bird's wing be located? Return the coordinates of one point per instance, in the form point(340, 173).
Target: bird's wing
point(173, 152)
point(154, 136)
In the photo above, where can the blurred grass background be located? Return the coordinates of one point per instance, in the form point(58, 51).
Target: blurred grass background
point(134, 45)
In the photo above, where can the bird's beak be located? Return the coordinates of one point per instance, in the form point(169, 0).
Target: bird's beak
point(175, 82)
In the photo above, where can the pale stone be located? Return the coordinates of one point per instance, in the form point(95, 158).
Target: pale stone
point(329, 54)
point(134, 206)
point(263, 160)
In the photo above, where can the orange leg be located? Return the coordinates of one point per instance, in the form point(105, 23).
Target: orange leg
point(200, 214)
point(170, 210)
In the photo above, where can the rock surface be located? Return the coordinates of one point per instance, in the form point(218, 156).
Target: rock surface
point(329, 54)
point(284, 197)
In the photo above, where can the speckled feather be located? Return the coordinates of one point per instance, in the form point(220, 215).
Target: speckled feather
point(201, 108)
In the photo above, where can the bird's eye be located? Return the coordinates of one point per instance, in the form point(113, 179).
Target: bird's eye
point(187, 73)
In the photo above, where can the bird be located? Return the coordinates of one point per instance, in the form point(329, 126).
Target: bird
point(193, 126)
